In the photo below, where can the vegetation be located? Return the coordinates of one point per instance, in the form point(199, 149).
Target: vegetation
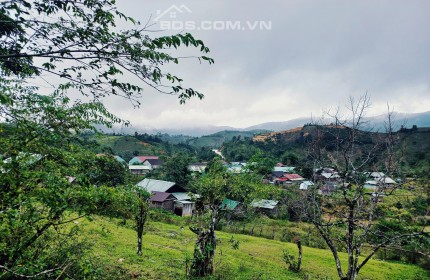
point(63, 196)
point(167, 248)
point(46, 170)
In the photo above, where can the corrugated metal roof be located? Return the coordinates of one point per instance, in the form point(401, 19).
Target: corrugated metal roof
point(264, 203)
point(293, 177)
point(161, 196)
point(181, 196)
point(229, 204)
point(152, 185)
point(305, 185)
point(284, 168)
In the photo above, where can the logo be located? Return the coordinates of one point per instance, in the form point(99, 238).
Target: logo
point(169, 19)
point(172, 11)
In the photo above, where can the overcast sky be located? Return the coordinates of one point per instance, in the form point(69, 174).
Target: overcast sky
point(288, 59)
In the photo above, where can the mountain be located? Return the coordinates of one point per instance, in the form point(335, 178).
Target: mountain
point(278, 126)
point(372, 123)
point(406, 120)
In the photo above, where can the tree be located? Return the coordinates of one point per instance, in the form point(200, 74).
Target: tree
point(73, 46)
point(216, 185)
point(261, 164)
point(351, 218)
point(175, 169)
point(141, 214)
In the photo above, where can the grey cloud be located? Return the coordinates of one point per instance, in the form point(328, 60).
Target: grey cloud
point(317, 51)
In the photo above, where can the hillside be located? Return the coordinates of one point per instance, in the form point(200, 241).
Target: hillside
point(127, 146)
point(166, 248)
point(217, 139)
point(412, 146)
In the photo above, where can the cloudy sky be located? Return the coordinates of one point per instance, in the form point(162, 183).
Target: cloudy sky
point(277, 60)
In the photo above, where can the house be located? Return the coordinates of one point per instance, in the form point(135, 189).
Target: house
point(197, 167)
point(162, 200)
point(140, 159)
point(233, 208)
point(152, 185)
point(378, 180)
point(305, 185)
point(184, 205)
point(284, 169)
point(288, 179)
point(183, 202)
point(138, 169)
point(236, 167)
point(143, 164)
point(266, 206)
point(277, 174)
point(326, 174)
point(152, 163)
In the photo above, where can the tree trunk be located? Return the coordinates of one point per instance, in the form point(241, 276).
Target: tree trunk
point(204, 251)
point(140, 223)
point(299, 259)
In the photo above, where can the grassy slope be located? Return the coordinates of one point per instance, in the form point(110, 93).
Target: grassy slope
point(166, 246)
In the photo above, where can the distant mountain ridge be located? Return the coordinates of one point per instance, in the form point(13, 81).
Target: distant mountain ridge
point(372, 123)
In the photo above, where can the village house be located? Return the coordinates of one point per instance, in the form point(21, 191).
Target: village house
point(140, 159)
point(305, 185)
point(268, 207)
point(378, 180)
point(140, 165)
point(288, 179)
point(197, 167)
point(326, 175)
point(169, 196)
point(162, 200)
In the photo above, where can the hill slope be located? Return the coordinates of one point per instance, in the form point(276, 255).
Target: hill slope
point(166, 247)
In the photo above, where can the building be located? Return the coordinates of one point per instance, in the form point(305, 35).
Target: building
point(165, 193)
point(140, 159)
point(143, 164)
point(162, 200)
point(266, 206)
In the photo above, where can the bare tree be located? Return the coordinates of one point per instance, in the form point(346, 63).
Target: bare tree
point(348, 220)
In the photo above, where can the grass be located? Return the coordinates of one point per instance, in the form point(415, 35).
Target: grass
point(166, 247)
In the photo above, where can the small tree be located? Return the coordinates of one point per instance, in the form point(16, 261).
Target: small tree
point(216, 185)
point(350, 218)
point(141, 214)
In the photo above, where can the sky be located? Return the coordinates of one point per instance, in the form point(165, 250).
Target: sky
point(278, 60)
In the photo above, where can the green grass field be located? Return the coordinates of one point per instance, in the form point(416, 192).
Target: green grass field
point(166, 247)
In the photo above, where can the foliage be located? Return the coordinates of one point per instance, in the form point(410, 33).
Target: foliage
point(261, 164)
point(351, 218)
point(175, 169)
point(84, 34)
point(46, 172)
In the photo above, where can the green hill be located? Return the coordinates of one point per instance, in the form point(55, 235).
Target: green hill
point(166, 248)
point(217, 139)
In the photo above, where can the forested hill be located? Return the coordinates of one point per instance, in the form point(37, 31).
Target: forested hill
point(412, 146)
point(290, 146)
